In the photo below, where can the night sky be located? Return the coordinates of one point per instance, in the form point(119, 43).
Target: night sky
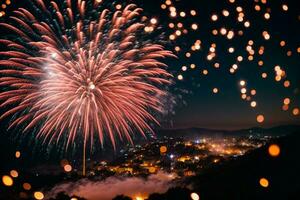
point(196, 104)
point(237, 67)
point(227, 109)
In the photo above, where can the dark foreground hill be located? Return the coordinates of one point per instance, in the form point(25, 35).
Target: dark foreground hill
point(239, 179)
point(194, 133)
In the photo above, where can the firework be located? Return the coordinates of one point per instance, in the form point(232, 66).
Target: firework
point(74, 69)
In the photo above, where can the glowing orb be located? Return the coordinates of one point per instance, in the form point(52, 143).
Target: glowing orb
point(274, 150)
point(7, 180)
point(264, 182)
point(195, 196)
point(38, 195)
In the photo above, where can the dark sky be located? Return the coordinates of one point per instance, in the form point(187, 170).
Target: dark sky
point(226, 109)
point(197, 106)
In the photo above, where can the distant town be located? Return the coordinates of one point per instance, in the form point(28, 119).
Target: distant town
point(175, 155)
point(175, 160)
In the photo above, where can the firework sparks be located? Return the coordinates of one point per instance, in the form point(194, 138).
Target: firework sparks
point(74, 72)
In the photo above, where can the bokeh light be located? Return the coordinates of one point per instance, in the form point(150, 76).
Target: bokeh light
point(195, 196)
point(7, 180)
point(26, 186)
point(38, 195)
point(260, 118)
point(163, 149)
point(14, 173)
point(296, 111)
point(18, 154)
point(67, 168)
point(264, 182)
point(274, 150)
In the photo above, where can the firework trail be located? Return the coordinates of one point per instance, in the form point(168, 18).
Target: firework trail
point(73, 69)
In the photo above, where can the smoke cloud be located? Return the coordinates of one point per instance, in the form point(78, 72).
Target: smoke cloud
point(113, 186)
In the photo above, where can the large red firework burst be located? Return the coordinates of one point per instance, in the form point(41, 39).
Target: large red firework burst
point(73, 69)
